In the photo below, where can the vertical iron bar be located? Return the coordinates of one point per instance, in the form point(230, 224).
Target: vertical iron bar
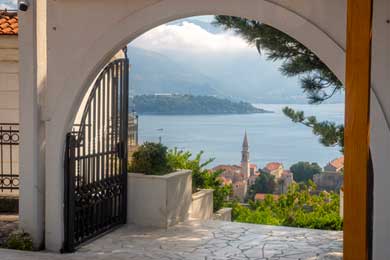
point(1, 158)
point(125, 131)
point(69, 193)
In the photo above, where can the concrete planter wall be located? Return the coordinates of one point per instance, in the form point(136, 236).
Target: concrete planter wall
point(202, 204)
point(159, 201)
point(224, 214)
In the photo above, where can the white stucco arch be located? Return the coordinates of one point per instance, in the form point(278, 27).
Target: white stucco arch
point(78, 46)
point(329, 50)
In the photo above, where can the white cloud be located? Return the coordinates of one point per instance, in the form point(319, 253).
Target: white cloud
point(189, 37)
point(8, 4)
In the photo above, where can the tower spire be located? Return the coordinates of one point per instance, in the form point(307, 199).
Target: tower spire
point(245, 158)
point(245, 145)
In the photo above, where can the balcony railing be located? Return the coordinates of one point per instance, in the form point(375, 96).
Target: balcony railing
point(9, 157)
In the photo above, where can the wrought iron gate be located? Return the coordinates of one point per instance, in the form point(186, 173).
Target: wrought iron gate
point(96, 160)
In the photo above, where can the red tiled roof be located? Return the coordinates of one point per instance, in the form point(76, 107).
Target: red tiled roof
point(225, 181)
point(338, 163)
point(272, 166)
point(9, 23)
point(223, 167)
point(261, 196)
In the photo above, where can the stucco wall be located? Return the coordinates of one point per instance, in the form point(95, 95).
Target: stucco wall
point(202, 204)
point(9, 79)
point(380, 132)
point(159, 200)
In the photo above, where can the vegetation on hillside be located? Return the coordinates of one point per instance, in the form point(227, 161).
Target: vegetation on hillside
point(191, 105)
point(317, 80)
point(301, 207)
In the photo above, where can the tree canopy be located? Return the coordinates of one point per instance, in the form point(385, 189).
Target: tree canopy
point(304, 171)
point(265, 183)
point(317, 80)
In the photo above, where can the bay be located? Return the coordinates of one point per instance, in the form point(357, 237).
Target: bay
point(272, 137)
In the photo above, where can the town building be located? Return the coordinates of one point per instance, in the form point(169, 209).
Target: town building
point(274, 168)
point(332, 178)
point(285, 181)
point(336, 165)
point(262, 196)
point(240, 177)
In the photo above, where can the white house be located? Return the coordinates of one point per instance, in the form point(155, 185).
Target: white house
point(9, 68)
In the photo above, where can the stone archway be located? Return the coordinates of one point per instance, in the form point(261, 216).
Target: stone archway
point(78, 46)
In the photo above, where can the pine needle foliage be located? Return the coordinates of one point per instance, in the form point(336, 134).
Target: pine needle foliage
point(317, 80)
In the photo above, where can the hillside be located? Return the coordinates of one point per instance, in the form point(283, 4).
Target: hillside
point(153, 73)
point(191, 105)
point(172, 65)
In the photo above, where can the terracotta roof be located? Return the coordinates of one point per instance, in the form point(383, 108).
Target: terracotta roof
point(223, 167)
point(9, 23)
point(252, 165)
point(272, 166)
point(225, 181)
point(338, 163)
point(261, 196)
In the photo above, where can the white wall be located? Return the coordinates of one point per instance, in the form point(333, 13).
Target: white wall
point(83, 35)
point(9, 79)
point(380, 132)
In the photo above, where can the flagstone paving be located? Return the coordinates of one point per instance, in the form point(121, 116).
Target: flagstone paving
point(204, 240)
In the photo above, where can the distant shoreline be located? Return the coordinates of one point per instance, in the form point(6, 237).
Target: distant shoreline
point(176, 104)
point(203, 114)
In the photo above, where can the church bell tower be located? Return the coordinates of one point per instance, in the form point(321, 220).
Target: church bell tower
point(245, 167)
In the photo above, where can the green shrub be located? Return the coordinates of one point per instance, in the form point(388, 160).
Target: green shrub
point(201, 177)
point(19, 240)
point(299, 207)
point(150, 159)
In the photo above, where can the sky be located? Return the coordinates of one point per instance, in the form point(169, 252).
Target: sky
point(218, 53)
point(8, 4)
point(191, 38)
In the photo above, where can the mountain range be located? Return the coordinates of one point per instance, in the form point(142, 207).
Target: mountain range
point(244, 75)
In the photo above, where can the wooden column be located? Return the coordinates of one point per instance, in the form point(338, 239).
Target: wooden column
point(358, 61)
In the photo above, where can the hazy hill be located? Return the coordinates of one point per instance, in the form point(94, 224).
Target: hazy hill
point(238, 76)
point(155, 73)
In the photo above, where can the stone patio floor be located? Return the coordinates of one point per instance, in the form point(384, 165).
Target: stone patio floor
point(203, 240)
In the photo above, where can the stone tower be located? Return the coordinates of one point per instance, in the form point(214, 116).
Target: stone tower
point(245, 167)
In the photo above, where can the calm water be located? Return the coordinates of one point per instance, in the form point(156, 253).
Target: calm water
point(272, 137)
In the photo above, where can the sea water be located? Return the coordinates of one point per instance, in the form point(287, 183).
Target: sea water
point(272, 136)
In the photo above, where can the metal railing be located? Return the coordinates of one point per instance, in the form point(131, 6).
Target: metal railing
point(9, 157)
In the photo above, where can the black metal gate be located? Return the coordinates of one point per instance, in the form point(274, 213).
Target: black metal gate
point(96, 160)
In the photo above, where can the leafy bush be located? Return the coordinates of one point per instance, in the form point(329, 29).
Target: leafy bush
point(150, 159)
point(299, 207)
point(19, 240)
point(201, 178)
